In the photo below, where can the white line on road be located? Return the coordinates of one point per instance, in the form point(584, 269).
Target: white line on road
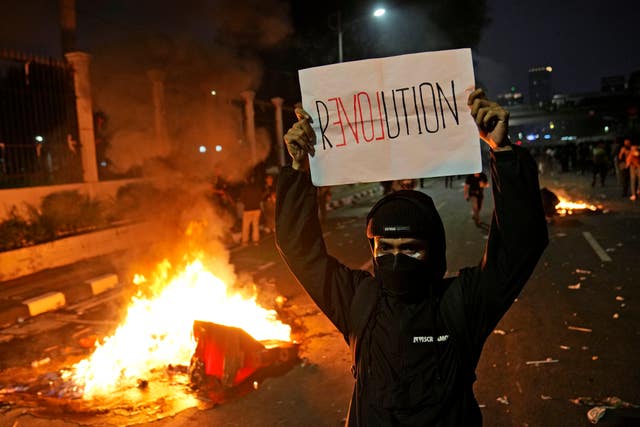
point(596, 247)
point(440, 205)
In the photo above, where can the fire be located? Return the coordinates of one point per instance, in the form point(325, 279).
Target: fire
point(157, 330)
point(567, 207)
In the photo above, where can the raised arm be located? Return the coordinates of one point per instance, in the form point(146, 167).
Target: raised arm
point(299, 236)
point(518, 234)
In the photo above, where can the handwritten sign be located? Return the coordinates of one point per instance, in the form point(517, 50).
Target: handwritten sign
point(392, 118)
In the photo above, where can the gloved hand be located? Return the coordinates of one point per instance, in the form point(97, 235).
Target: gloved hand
point(301, 140)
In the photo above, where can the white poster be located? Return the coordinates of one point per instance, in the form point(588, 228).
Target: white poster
point(392, 118)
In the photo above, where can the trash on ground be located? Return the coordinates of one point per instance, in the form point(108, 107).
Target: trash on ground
point(616, 315)
point(612, 402)
point(565, 347)
point(545, 397)
point(499, 332)
point(580, 329)
point(594, 357)
point(619, 298)
point(576, 286)
point(581, 271)
point(540, 362)
point(600, 407)
point(41, 362)
point(503, 399)
point(596, 413)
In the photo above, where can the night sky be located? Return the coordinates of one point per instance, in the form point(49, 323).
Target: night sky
point(583, 40)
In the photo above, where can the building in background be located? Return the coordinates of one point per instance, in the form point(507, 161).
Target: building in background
point(612, 84)
point(540, 87)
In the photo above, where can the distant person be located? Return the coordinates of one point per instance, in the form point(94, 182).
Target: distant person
point(474, 187)
point(269, 204)
point(600, 164)
point(623, 167)
point(448, 181)
point(386, 187)
point(251, 199)
point(324, 198)
point(633, 162)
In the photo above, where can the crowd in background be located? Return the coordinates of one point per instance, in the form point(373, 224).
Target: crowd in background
point(601, 162)
point(249, 206)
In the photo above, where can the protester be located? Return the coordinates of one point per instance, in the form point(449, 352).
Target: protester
point(633, 162)
point(474, 187)
point(623, 167)
point(268, 204)
point(324, 198)
point(415, 336)
point(448, 181)
point(600, 164)
point(251, 198)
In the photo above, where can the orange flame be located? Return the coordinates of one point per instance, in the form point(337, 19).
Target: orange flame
point(157, 330)
point(567, 207)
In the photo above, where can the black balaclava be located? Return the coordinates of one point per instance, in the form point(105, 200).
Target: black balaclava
point(408, 213)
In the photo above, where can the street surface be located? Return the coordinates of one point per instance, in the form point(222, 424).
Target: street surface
point(573, 332)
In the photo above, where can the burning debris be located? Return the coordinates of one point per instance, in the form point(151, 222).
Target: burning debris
point(188, 340)
point(554, 204)
point(228, 357)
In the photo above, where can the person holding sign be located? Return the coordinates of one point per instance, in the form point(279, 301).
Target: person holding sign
point(415, 336)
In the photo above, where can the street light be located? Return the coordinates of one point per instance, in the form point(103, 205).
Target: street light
point(377, 13)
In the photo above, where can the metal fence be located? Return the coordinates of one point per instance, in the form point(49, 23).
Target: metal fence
point(38, 123)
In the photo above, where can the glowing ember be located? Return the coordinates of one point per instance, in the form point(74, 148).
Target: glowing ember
point(567, 207)
point(158, 329)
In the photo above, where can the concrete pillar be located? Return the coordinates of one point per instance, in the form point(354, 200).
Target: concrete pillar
point(159, 110)
point(250, 123)
point(67, 12)
point(84, 108)
point(277, 102)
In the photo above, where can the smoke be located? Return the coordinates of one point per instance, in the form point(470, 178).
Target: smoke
point(207, 46)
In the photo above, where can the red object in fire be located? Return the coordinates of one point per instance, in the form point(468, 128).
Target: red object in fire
point(230, 355)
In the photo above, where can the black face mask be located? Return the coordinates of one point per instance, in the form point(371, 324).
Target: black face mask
point(403, 275)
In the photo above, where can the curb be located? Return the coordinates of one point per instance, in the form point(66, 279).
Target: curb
point(19, 311)
point(352, 198)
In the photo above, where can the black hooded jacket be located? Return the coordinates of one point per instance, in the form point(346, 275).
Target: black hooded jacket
point(415, 364)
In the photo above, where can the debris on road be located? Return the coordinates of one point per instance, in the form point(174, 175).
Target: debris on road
point(503, 399)
point(545, 397)
point(600, 407)
point(580, 329)
point(499, 332)
point(581, 271)
point(565, 347)
point(576, 286)
point(619, 298)
point(616, 315)
point(596, 413)
point(540, 362)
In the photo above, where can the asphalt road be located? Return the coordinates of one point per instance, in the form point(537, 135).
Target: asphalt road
point(573, 332)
